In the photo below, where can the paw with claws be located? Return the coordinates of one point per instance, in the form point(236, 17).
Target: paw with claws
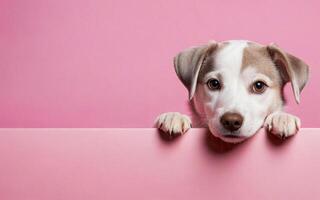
point(282, 124)
point(173, 123)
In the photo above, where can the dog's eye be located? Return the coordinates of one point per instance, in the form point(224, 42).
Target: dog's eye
point(259, 87)
point(213, 84)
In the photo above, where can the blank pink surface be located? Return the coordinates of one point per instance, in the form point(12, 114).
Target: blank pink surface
point(104, 164)
point(77, 63)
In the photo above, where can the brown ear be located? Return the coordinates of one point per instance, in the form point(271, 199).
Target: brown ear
point(292, 69)
point(188, 63)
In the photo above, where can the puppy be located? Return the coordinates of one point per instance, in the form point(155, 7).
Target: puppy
point(235, 88)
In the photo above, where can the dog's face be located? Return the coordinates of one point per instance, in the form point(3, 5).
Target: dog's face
point(235, 85)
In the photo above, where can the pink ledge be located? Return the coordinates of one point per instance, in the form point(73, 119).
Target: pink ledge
point(94, 164)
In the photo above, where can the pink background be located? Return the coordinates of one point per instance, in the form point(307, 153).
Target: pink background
point(98, 63)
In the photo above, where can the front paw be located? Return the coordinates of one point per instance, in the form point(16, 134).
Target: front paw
point(282, 124)
point(173, 123)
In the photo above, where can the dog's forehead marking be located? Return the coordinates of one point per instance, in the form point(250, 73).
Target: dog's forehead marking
point(228, 56)
point(238, 56)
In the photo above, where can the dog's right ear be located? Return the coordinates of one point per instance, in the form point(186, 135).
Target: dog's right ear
point(292, 69)
point(188, 63)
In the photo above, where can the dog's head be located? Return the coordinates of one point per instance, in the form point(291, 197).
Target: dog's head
point(235, 85)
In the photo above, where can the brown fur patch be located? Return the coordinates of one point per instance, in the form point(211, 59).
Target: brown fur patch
point(208, 63)
point(257, 56)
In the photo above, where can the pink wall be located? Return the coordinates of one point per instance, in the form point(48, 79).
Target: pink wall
point(98, 63)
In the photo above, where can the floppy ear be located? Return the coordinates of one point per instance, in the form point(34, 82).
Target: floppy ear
point(292, 69)
point(188, 63)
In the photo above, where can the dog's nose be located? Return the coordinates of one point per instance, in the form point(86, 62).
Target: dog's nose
point(231, 121)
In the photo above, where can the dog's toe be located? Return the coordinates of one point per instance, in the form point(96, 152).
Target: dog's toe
point(173, 123)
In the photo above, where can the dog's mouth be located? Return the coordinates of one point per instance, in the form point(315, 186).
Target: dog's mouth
point(226, 136)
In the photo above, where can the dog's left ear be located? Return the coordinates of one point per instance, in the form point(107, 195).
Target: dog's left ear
point(188, 63)
point(292, 69)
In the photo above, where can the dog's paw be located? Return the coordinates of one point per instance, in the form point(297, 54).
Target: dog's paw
point(282, 124)
point(173, 123)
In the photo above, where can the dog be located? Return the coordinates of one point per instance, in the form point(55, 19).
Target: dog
point(235, 88)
